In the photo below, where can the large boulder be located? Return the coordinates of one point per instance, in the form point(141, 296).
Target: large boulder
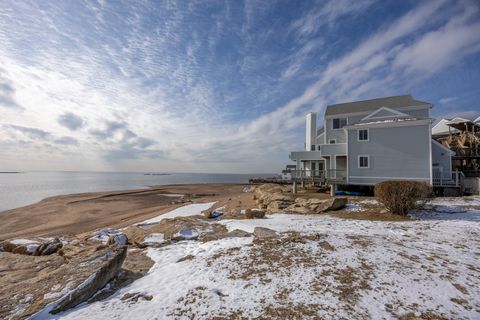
point(296, 208)
point(311, 206)
point(331, 205)
point(277, 206)
point(94, 282)
point(273, 200)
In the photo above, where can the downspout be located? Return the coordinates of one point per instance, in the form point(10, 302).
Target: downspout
point(430, 151)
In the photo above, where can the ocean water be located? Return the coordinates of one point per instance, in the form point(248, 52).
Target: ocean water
point(21, 189)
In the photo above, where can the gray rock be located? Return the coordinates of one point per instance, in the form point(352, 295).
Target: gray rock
point(331, 205)
point(263, 233)
point(120, 239)
point(94, 283)
point(50, 247)
point(213, 214)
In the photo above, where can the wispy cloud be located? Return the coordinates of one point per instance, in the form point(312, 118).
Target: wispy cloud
point(187, 86)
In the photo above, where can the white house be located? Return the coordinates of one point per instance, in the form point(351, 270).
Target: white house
point(366, 142)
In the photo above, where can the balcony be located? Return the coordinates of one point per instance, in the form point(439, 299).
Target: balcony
point(322, 176)
point(333, 149)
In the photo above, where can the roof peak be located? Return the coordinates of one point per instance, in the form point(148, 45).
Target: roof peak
point(367, 106)
point(374, 99)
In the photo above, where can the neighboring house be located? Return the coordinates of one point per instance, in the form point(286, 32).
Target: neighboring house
point(366, 142)
point(442, 129)
point(287, 172)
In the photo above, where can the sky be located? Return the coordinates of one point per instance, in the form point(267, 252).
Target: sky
point(215, 86)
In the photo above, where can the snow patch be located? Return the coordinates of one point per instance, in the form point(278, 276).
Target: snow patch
point(154, 238)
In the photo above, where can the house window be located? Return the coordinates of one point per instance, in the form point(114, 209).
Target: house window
point(318, 147)
point(332, 141)
point(363, 135)
point(363, 161)
point(339, 123)
point(312, 147)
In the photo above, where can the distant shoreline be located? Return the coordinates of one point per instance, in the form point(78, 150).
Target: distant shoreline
point(10, 172)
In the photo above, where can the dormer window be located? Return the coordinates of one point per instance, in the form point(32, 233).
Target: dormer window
point(339, 123)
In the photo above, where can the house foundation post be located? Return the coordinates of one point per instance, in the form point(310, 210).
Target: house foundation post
point(294, 187)
point(333, 189)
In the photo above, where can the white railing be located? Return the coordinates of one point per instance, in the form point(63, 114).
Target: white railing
point(438, 179)
point(304, 174)
point(324, 175)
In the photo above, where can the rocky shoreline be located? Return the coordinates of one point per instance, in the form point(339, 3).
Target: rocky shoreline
point(54, 274)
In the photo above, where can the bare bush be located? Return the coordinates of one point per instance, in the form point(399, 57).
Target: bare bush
point(400, 197)
point(254, 214)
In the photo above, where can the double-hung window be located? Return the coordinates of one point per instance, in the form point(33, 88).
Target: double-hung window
point(363, 135)
point(363, 161)
point(339, 123)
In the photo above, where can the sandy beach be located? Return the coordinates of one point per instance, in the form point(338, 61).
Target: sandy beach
point(79, 213)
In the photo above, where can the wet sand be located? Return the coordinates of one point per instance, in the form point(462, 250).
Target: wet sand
point(79, 213)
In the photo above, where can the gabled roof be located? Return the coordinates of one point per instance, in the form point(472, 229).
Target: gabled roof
point(477, 120)
point(384, 113)
point(394, 102)
point(442, 128)
point(458, 120)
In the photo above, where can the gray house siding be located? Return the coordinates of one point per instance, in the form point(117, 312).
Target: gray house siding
point(442, 160)
point(394, 153)
point(339, 134)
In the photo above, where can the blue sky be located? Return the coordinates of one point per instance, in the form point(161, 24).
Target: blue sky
point(215, 86)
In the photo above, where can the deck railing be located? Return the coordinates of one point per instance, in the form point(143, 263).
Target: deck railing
point(438, 179)
point(320, 175)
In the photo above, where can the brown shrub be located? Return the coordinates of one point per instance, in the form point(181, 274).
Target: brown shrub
point(400, 197)
point(254, 214)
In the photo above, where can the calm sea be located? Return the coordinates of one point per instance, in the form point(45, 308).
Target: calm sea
point(20, 189)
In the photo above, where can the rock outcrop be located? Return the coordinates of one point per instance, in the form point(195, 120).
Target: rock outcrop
point(273, 198)
point(94, 282)
point(276, 198)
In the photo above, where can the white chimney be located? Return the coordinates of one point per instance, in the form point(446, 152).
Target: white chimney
point(311, 133)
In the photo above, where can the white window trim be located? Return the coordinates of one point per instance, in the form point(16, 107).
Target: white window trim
point(368, 161)
point(336, 129)
point(335, 141)
point(358, 135)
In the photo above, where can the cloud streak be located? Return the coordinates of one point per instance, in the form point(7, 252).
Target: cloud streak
point(185, 86)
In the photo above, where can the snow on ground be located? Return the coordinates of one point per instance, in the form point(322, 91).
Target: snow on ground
point(185, 211)
point(319, 266)
point(465, 208)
